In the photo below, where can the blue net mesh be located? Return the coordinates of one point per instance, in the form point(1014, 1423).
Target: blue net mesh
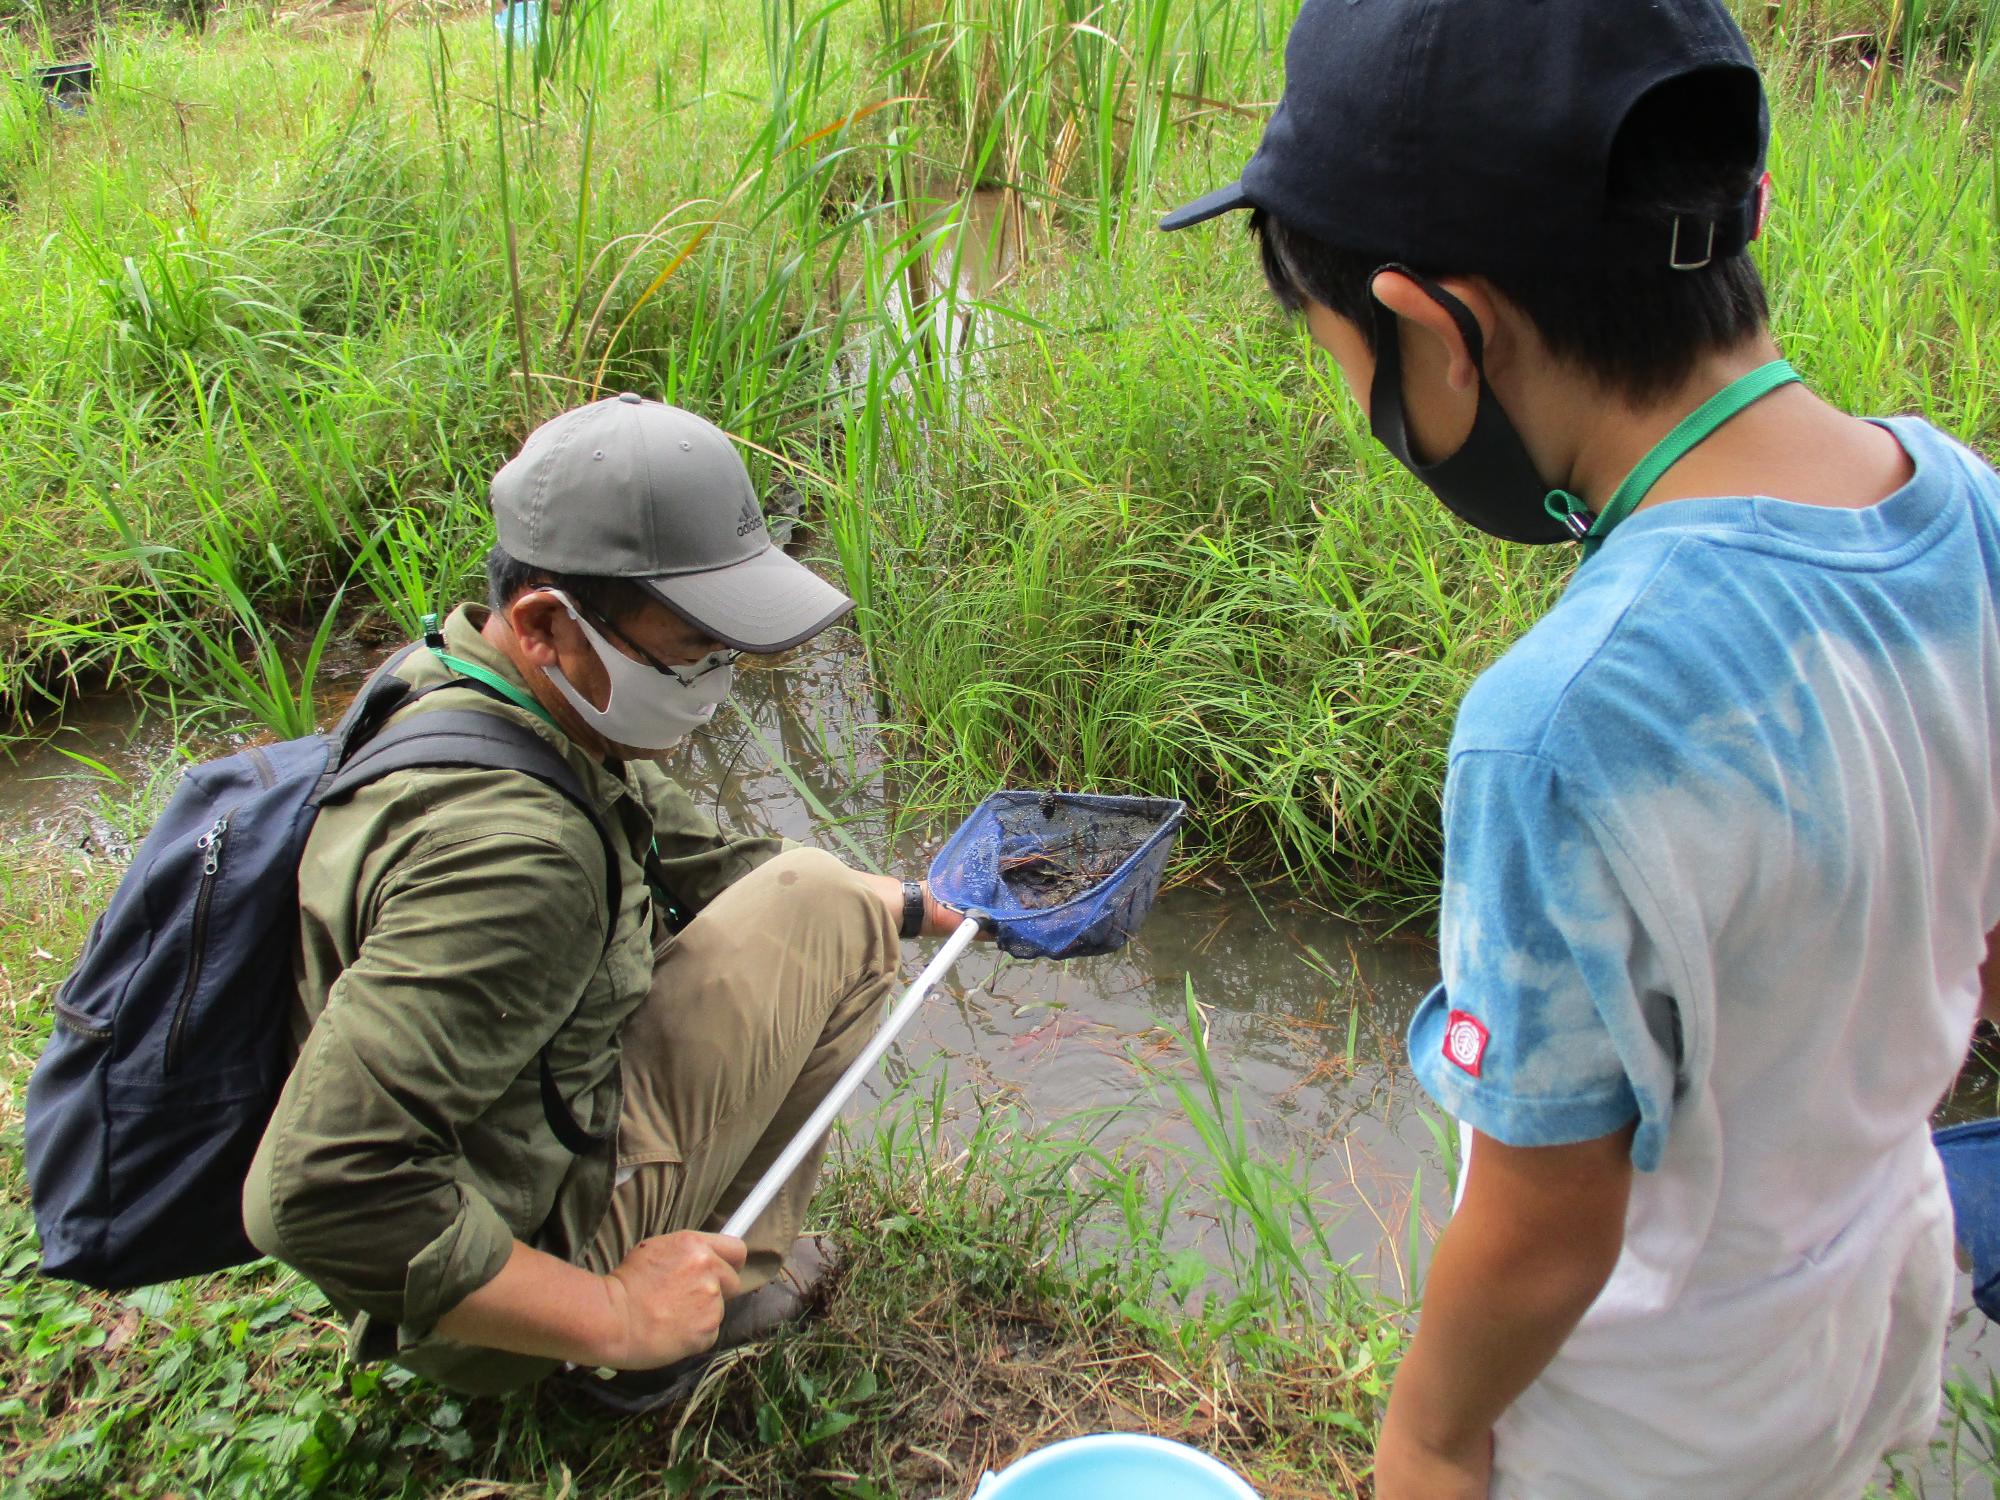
point(1061, 875)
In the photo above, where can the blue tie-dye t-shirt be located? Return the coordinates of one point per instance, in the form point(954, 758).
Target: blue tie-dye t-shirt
point(1723, 706)
point(1722, 846)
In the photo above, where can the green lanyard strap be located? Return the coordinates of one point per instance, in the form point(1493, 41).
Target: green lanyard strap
point(1670, 450)
point(498, 683)
point(472, 669)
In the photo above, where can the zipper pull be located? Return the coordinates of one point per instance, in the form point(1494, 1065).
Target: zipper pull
point(210, 844)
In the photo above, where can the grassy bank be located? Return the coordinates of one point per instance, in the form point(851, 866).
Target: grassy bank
point(1000, 1288)
point(285, 295)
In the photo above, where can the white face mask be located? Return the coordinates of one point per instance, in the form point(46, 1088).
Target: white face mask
point(647, 709)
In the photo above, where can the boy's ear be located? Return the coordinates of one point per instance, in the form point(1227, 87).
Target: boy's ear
point(1410, 302)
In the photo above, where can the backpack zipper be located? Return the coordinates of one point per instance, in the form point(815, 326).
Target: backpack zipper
point(210, 844)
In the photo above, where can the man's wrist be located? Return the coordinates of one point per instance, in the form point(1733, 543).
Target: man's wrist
point(605, 1340)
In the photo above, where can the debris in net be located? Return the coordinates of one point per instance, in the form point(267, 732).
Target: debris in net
point(1049, 877)
point(1063, 881)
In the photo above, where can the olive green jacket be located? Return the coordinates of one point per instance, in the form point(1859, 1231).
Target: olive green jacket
point(451, 922)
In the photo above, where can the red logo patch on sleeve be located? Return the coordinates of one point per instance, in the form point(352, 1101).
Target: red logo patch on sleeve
point(1465, 1041)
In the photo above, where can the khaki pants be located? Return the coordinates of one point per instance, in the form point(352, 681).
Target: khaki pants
point(756, 1008)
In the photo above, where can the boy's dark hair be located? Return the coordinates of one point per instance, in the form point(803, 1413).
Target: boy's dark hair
point(613, 599)
point(1638, 329)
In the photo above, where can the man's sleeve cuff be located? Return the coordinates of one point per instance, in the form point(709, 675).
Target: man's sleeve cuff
point(461, 1260)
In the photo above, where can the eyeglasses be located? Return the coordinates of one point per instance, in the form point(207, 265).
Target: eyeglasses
point(687, 673)
point(693, 672)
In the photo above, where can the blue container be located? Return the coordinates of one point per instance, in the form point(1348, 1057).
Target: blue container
point(1971, 1157)
point(520, 22)
point(1115, 1464)
point(1059, 874)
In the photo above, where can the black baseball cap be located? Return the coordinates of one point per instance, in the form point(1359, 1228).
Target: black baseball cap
point(1472, 135)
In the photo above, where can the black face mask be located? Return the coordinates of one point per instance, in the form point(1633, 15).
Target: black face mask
point(1490, 481)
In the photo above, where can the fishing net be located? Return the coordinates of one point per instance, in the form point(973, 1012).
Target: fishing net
point(1059, 874)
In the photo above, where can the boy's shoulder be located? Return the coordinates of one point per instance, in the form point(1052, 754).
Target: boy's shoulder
point(1697, 607)
point(1524, 702)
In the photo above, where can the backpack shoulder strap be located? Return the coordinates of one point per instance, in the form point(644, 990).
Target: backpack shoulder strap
point(380, 696)
point(459, 737)
point(468, 737)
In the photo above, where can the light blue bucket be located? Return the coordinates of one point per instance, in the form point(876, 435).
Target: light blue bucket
point(520, 22)
point(1115, 1463)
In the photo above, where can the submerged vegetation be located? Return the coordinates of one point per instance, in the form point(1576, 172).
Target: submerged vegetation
point(283, 297)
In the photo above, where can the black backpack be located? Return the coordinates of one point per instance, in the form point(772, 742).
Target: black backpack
point(168, 1051)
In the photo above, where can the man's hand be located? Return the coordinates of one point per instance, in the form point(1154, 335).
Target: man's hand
point(666, 1298)
point(1406, 1470)
point(662, 1303)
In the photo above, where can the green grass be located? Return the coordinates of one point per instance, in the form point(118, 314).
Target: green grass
point(1004, 1283)
point(284, 300)
point(951, 1341)
point(1162, 553)
point(281, 301)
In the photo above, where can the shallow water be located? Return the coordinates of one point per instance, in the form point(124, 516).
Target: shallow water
point(1304, 1012)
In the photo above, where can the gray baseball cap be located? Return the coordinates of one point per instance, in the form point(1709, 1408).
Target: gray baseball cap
point(631, 488)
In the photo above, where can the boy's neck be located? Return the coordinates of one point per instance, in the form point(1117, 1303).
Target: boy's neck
point(1788, 445)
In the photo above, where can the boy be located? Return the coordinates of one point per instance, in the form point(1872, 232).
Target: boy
point(1721, 829)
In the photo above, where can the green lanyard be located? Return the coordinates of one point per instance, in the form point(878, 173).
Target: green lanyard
point(435, 640)
point(677, 915)
point(1667, 452)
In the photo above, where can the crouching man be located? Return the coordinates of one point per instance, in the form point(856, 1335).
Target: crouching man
point(507, 1138)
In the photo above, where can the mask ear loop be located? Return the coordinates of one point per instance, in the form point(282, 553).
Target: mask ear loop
point(568, 604)
point(1385, 391)
point(1468, 326)
point(1386, 417)
point(1559, 504)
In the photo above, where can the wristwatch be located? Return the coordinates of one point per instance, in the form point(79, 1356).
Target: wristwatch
point(913, 910)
